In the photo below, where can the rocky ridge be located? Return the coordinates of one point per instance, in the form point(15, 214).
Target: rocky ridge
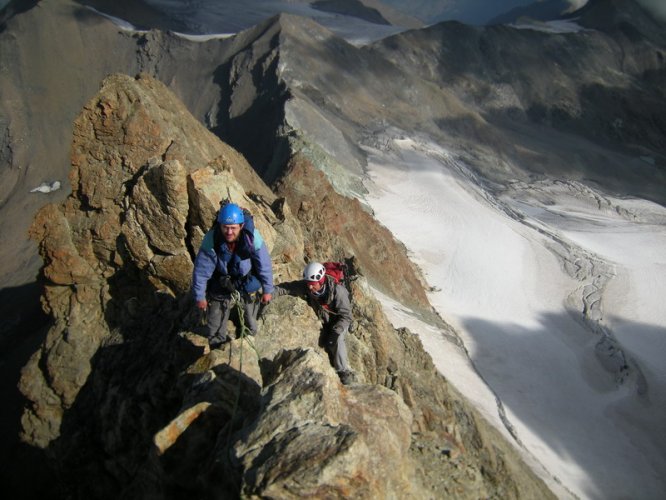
point(128, 399)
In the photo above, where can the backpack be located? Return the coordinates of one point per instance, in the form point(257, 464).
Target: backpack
point(336, 270)
point(339, 271)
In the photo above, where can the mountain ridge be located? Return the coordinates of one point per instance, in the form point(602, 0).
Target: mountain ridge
point(621, 15)
point(125, 381)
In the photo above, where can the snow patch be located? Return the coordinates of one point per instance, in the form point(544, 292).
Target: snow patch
point(46, 187)
point(555, 294)
point(121, 23)
point(558, 26)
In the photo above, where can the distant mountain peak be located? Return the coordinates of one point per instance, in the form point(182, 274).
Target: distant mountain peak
point(547, 10)
point(609, 15)
point(354, 8)
point(603, 15)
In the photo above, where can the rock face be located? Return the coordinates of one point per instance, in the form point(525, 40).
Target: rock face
point(348, 441)
point(331, 231)
point(128, 399)
point(128, 226)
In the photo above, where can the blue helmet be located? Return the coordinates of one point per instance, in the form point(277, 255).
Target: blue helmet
point(231, 214)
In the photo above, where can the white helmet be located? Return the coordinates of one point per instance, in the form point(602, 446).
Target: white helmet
point(314, 271)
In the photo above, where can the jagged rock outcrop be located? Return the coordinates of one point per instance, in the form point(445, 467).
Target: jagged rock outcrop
point(128, 399)
point(335, 232)
point(128, 222)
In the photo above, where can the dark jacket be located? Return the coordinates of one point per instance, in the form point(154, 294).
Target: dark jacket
point(333, 306)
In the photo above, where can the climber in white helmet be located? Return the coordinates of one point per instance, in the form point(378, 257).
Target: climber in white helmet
point(331, 302)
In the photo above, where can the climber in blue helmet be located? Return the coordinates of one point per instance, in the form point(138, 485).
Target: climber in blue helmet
point(233, 257)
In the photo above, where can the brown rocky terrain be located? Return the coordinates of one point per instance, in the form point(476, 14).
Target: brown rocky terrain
point(128, 400)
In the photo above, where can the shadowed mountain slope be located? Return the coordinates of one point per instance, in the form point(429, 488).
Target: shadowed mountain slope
point(617, 16)
point(563, 90)
point(542, 11)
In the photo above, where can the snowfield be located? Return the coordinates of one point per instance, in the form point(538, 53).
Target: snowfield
point(556, 292)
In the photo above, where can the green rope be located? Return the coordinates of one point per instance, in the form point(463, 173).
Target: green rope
point(236, 301)
point(245, 331)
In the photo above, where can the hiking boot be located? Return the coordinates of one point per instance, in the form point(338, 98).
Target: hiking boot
point(217, 343)
point(347, 377)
